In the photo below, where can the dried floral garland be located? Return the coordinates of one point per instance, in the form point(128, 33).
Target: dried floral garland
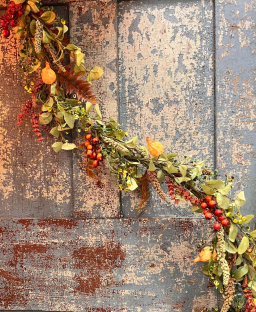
point(62, 100)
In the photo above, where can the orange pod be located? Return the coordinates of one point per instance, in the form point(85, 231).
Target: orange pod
point(48, 75)
point(205, 255)
point(155, 148)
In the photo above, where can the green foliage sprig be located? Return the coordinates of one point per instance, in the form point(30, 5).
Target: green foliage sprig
point(68, 104)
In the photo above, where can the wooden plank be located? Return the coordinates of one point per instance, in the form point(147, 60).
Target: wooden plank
point(166, 81)
point(35, 181)
point(236, 94)
point(93, 29)
point(102, 265)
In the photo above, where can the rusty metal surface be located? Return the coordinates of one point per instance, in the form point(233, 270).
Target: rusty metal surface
point(236, 94)
point(166, 81)
point(93, 28)
point(102, 265)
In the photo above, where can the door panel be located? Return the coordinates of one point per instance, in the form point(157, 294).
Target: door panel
point(35, 181)
point(166, 75)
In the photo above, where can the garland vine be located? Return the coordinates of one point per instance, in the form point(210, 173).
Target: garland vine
point(62, 100)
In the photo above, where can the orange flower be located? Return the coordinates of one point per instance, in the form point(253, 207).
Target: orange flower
point(155, 148)
point(205, 255)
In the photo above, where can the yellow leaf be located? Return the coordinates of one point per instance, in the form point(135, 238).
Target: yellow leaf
point(48, 17)
point(33, 6)
point(96, 73)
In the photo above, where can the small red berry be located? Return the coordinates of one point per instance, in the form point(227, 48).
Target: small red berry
point(95, 141)
point(95, 163)
point(86, 143)
point(13, 23)
point(217, 226)
point(203, 205)
point(88, 136)
point(212, 203)
point(19, 13)
point(11, 11)
point(208, 216)
point(208, 198)
point(221, 218)
point(89, 147)
point(6, 33)
point(99, 156)
point(225, 222)
point(4, 23)
point(205, 211)
point(94, 155)
point(89, 153)
point(218, 212)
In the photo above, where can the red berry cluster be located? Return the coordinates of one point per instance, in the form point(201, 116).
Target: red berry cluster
point(177, 189)
point(26, 109)
point(10, 19)
point(92, 149)
point(35, 125)
point(249, 306)
point(209, 207)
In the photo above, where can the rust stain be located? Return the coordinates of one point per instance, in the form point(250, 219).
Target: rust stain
point(99, 262)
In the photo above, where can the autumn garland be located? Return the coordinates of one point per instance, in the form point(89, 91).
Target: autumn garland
point(56, 107)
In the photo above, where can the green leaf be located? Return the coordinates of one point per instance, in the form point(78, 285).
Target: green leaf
point(133, 185)
point(226, 189)
point(195, 172)
point(170, 168)
point(70, 119)
point(113, 123)
point(207, 190)
point(196, 209)
point(239, 260)
point(68, 146)
point(48, 17)
point(240, 272)
point(222, 200)
point(33, 6)
point(160, 176)
point(253, 234)
point(57, 146)
point(240, 200)
point(151, 166)
point(216, 184)
point(230, 247)
point(251, 274)
point(182, 179)
point(232, 232)
point(32, 27)
point(97, 108)
point(88, 107)
point(132, 143)
point(248, 219)
point(183, 170)
point(243, 245)
point(45, 118)
point(171, 156)
point(205, 269)
point(46, 37)
point(55, 132)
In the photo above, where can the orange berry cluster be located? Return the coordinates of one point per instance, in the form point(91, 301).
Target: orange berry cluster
point(209, 208)
point(93, 150)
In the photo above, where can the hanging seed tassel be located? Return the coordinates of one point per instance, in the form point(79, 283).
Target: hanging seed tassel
point(229, 295)
point(152, 179)
point(38, 36)
point(231, 260)
point(119, 147)
point(221, 253)
point(140, 151)
point(50, 48)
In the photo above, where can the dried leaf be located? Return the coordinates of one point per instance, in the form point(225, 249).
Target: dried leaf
point(48, 17)
point(222, 200)
point(33, 6)
point(240, 272)
point(55, 132)
point(233, 232)
point(230, 247)
point(151, 166)
point(240, 200)
point(216, 184)
point(248, 219)
point(70, 80)
point(70, 119)
point(208, 190)
point(144, 190)
point(90, 170)
point(57, 146)
point(68, 146)
point(243, 245)
point(183, 170)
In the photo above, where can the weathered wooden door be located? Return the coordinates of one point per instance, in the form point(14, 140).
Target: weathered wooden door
point(179, 71)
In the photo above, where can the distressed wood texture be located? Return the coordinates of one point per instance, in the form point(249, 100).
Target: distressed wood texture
point(35, 181)
point(236, 94)
point(102, 265)
point(93, 28)
point(166, 81)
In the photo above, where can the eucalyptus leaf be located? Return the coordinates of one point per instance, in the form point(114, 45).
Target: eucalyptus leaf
point(239, 260)
point(160, 176)
point(240, 272)
point(70, 119)
point(230, 247)
point(217, 184)
point(45, 118)
point(48, 17)
point(68, 146)
point(55, 132)
point(207, 190)
point(226, 189)
point(222, 200)
point(232, 232)
point(243, 245)
point(57, 146)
